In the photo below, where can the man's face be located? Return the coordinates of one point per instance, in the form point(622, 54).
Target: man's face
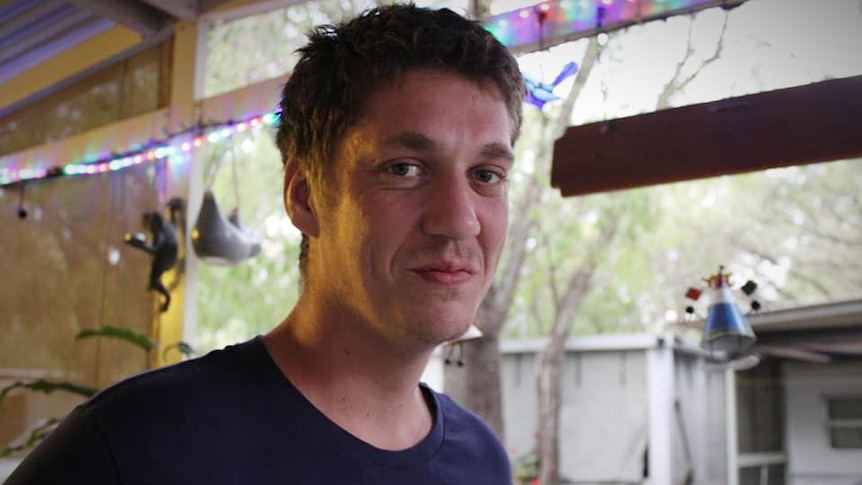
point(409, 242)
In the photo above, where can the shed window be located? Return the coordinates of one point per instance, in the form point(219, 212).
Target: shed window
point(844, 421)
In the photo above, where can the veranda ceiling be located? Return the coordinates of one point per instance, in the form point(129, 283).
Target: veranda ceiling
point(34, 31)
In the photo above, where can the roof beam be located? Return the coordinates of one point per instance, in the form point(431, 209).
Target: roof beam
point(806, 124)
point(813, 336)
point(853, 349)
point(833, 314)
point(207, 5)
point(795, 353)
point(183, 9)
point(140, 17)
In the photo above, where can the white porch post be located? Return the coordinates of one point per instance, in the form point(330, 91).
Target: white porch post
point(731, 439)
point(184, 180)
point(661, 394)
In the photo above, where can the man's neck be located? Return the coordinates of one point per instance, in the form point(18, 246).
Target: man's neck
point(367, 389)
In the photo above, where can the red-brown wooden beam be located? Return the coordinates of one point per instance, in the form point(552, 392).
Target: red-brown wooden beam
point(807, 124)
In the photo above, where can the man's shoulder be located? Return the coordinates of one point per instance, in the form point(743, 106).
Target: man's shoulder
point(218, 372)
point(463, 425)
point(470, 445)
point(457, 414)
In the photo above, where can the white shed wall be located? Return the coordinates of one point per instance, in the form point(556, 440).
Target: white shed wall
point(603, 418)
point(811, 459)
point(699, 423)
point(518, 374)
point(603, 422)
point(612, 400)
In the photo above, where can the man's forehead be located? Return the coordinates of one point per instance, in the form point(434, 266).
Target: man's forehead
point(421, 142)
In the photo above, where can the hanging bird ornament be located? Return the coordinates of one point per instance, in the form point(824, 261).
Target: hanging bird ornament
point(539, 93)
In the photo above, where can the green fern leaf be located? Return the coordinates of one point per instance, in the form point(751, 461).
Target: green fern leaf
point(124, 334)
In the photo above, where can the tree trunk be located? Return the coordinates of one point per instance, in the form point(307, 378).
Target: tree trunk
point(547, 441)
point(483, 380)
point(473, 377)
point(553, 355)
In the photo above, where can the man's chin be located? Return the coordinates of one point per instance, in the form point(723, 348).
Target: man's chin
point(473, 332)
point(454, 332)
point(440, 332)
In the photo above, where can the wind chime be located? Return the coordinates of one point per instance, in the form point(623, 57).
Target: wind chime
point(727, 334)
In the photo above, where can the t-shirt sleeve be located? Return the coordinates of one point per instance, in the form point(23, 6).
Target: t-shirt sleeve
point(74, 453)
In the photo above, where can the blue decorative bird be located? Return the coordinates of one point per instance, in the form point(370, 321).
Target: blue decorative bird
point(539, 93)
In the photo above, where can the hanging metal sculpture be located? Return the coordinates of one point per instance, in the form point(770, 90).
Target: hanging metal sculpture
point(222, 240)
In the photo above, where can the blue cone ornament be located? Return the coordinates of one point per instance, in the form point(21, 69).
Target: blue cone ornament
point(726, 328)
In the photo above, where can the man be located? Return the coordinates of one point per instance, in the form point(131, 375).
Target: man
point(396, 133)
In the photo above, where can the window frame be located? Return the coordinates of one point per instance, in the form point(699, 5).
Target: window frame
point(831, 424)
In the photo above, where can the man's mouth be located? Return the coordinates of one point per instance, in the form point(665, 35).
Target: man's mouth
point(445, 277)
point(446, 273)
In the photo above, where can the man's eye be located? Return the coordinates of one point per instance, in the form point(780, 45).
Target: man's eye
point(404, 169)
point(489, 176)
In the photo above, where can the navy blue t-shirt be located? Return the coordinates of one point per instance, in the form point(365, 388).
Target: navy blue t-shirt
point(231, 417)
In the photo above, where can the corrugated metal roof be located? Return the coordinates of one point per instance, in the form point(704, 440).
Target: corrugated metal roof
point(34, 31)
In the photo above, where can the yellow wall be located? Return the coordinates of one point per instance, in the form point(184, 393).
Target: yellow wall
point(82, 56)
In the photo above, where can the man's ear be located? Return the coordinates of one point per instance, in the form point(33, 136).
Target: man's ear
point(298, 201)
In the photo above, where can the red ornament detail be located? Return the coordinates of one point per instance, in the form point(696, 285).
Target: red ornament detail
point(693, 294)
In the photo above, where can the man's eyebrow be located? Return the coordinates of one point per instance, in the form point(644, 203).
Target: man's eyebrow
point(497, 151)
point(418, 141)
point(410, 139)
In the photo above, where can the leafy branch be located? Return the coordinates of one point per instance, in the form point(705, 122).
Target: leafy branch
point(38, 432)
point(124, 334)
point(36, 435)
point(47, 387)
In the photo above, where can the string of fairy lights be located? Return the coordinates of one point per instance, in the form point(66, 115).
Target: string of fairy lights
point(173, 144)
point(549, 22)
point(555, 21)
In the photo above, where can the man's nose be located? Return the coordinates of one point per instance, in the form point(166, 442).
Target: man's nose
point(451, 210)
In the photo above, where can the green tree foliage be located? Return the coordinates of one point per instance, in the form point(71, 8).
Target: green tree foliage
point(238, 302)
point(792, 230)
point(258, 47)
point(795, 231)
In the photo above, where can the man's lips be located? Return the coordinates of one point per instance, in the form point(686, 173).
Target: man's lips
point(445, 277)
point(446, 274)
